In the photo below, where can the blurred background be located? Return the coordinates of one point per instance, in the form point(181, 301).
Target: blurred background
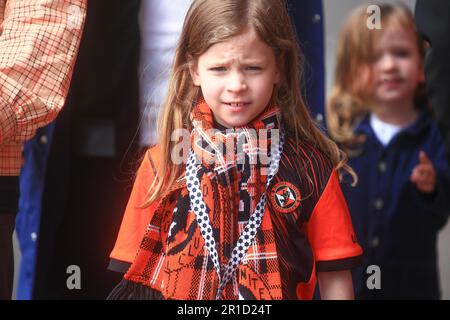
point(132, 142)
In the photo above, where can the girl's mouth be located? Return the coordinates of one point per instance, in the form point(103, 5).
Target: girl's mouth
point(236, 106)
point(391, 83)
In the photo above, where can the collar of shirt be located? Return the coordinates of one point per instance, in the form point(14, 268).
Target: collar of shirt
point(383, 131)
point(422, 123)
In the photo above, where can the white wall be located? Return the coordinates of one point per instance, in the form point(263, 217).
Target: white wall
point(335, 12)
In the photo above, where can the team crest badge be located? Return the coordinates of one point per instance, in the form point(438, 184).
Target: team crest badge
point(285, 197)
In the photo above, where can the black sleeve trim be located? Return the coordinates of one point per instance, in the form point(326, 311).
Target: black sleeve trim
point(9, 195)
point(128, 290)
point(339, 265)
point(118, 266)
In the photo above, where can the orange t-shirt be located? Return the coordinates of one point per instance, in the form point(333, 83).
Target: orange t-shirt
point(306, 229)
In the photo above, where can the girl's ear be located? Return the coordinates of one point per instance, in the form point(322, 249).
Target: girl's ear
point(427, 46)
point(193, 70)
point(422, 73)
point(277, 77)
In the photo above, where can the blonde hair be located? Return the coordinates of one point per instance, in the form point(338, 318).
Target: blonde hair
point(348, 101)
point(212, 21)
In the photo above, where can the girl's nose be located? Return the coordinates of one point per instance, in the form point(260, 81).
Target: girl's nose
point(387, 62)
point(236, 82)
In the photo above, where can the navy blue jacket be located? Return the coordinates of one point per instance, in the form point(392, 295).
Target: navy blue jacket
point(308, 20)
point(396, 224)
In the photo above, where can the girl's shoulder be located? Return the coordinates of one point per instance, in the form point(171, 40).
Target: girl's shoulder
point(304, 161)
point(150, 162)
point(302, 151)
point(309, 171)
point(154, 151)
point(153, 154)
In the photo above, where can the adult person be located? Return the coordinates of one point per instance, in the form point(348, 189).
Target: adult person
point(38, 47)
point(433, 22)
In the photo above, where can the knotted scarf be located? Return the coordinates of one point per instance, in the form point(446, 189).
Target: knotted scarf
point(201, 231)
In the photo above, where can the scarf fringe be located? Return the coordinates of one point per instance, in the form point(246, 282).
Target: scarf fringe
point(128, 290)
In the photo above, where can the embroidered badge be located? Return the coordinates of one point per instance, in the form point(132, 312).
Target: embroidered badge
point(285, 197)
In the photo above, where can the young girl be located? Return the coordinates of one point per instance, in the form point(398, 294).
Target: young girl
point(229, 227)
point(378, 112)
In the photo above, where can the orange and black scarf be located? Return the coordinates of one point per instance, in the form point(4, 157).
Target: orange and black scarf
point(200, 233)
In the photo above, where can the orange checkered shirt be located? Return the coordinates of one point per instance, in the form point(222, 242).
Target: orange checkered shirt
point(39, 41)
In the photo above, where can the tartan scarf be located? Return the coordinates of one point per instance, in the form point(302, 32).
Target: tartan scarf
point(232, 155)
point(220, 206)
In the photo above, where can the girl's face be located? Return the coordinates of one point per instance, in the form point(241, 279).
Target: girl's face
point(397, 69)
point(237, 78)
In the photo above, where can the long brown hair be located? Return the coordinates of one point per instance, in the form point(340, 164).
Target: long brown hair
point(348, 101)
point(212, 21)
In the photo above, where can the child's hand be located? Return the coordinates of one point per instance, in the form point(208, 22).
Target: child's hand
point(424, 174)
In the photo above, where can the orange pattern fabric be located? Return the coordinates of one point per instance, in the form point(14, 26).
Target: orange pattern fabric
point(305, 228)
point(39, 41)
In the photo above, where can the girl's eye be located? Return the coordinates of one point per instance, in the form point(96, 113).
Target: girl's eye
point(218, 69)
point(402, 53)
point(253, 68)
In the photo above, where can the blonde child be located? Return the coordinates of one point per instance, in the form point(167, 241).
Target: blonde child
point(378, 111)
point(224, 224)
